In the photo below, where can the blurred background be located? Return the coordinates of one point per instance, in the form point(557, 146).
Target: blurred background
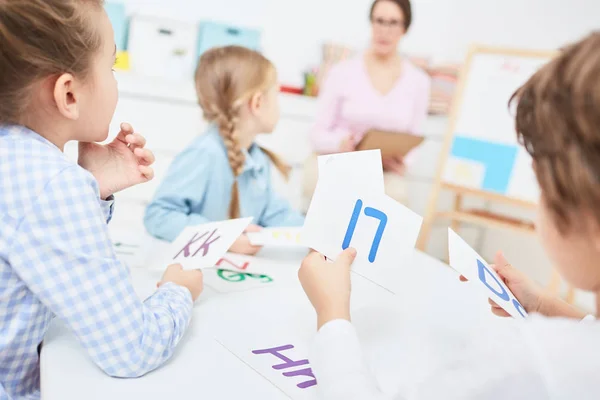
point(159, 42)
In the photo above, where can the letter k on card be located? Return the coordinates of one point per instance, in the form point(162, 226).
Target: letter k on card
point(203, 246)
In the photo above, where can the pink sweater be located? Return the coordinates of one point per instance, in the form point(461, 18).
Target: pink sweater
point(350, 105)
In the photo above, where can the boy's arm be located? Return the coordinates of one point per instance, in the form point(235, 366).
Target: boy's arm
point(551, 306)
point(63, 253)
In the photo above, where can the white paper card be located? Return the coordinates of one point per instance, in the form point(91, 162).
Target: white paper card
point(237, 273)
point(202, 246)
point(284, 362)
point(361, 170)
point(473, 267)
point(277, 237)
point(379, 228)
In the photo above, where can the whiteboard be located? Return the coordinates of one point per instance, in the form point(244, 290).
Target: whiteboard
point(484, 153)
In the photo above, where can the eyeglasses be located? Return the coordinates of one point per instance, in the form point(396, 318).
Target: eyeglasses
point(394, 24)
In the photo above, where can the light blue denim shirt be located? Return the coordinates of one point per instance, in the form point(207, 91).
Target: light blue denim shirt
point(197, 190)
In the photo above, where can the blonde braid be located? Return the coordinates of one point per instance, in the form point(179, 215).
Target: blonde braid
point(228, 128)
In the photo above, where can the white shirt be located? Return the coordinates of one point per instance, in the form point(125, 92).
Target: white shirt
point(542, 359)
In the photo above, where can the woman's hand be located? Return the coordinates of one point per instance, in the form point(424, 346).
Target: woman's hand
point(348, 145)
point(395, 165)
point(243, 246)
point(327, 285)
point(120, 164)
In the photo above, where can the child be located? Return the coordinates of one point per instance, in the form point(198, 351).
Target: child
point(558, 121)
point(223, 174)
point(56, 258)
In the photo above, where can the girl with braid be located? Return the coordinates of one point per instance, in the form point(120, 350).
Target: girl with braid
point(223, 174)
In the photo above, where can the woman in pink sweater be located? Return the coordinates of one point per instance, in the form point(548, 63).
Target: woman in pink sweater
point(376, 90)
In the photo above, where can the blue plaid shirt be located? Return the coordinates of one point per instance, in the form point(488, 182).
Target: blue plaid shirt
point(56, 259)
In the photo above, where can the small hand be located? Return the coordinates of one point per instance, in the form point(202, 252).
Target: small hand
point(525, 290)
point(192, 280)
point(327, 285)
point(394, 164)
point(243, 246)
point(120, 164)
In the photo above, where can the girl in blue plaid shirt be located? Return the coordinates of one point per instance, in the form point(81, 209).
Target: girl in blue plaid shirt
point(56, 258)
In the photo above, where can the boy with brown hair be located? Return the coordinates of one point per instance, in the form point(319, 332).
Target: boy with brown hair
point(558, 121)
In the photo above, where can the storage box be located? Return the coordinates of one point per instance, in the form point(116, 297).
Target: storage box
point(162, 48)
point(118, 18)
point(214, 34)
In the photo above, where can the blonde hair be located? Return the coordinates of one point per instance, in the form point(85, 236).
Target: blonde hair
point(38, 39)
point(226, 78)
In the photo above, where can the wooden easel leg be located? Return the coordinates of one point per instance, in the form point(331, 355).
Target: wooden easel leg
point(430, 217)
point(454, 223)
point(458, 201)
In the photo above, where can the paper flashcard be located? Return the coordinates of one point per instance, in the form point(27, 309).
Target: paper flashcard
point(378, 227)
point(360, 170)
point(472, 266)
point(281, 237)
point(283, 363)
point(237, 273)
point(201, 246)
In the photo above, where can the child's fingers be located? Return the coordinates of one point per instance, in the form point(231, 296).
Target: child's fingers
point(147, 171)
point(135, 140)
point(126, 127)
point(253, 228)
point(493, 303)
point(125, 131)
point(145, 156)
point(499, 312)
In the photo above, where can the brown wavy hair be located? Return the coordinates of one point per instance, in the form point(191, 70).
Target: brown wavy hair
point(558, 122)
point(404, 5)
point(39, 39)
point(226, 78)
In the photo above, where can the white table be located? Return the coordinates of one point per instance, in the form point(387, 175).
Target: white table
point(430, 313)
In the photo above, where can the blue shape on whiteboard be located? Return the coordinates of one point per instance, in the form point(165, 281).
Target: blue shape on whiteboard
point(519, 308)
point(498, 159)
point(483, 274)
point(369, 212)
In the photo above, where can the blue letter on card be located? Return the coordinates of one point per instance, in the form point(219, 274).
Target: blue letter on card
point(483, 271)
point(369, 212)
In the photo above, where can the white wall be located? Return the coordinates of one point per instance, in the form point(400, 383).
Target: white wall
point(443, 29)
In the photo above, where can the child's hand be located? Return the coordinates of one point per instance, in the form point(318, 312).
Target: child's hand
point(243, 246)
point(529, 294)
point(327, 285)
point(192, 280)
point(120, 164)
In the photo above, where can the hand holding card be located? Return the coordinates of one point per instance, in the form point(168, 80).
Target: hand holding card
point(472, 266)
point(199, 247)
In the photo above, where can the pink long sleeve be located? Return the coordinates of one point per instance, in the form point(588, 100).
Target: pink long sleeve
point(326, 135)
point(349, 105)
point(420, 116)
